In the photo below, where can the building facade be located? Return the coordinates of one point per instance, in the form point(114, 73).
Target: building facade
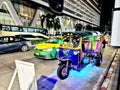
point(30, 13)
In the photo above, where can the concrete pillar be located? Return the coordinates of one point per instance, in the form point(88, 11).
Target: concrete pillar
point(115, 40)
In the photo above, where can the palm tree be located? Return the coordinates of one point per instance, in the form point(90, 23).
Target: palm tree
point(42, 20)
point(88, 27)
point(78, 27)
point(51, 21)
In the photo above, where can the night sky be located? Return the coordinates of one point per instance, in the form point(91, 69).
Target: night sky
point(106, 13)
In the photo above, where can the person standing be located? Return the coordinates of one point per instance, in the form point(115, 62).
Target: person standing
point(103, 39)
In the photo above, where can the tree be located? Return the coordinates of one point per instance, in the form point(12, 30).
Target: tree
point(42, 20)
point(57, 25)
point(78, 27)
point(51, 21)
point(88, 27)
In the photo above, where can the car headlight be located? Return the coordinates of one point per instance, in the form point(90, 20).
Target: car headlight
point(35, 48)
point(75, 52)
point(50, 49)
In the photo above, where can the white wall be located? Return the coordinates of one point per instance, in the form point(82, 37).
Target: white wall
point(115, 40)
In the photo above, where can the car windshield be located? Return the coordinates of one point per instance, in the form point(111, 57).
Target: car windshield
point(28, 36)
point(52, 40)
point(83, 34)
point(41, 37)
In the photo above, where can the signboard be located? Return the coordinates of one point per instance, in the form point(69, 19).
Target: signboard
point(26, 76)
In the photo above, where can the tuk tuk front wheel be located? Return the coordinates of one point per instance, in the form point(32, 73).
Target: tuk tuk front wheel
point(85, 60)
point(63, 72)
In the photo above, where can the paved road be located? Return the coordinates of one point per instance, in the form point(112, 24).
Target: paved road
point(7, 67)
point(83, 80)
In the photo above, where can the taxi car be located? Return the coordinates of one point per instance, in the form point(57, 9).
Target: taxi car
point(48, 49)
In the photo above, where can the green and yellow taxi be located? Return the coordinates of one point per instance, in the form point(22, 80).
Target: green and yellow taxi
point(48, 49)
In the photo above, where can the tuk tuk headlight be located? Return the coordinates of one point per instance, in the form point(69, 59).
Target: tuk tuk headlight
point(65, 51)
point(75, 52)
point(58, 50)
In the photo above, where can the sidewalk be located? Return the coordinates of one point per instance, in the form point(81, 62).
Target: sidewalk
point(107, 55)
point(106, 80)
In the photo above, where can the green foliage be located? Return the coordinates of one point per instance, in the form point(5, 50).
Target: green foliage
point(38, 41)
point(88, 27)
point(57, 25)
point(78, 27)
point(51, 21)
point(42, 20)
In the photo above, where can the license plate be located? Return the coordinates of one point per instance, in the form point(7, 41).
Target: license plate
point(37, 54)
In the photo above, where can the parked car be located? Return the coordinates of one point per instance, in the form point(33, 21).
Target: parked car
point(48, 49)
point(34, 39)
point(12, 43)
point(85, 35)
point(94, 34)
point(31, 37)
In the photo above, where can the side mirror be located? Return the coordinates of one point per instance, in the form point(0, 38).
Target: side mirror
point(56, 5)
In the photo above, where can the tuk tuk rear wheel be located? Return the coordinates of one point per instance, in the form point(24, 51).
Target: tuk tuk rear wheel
point(100, 56)
point(99, 59)
point(97, 62)
point(62, 72)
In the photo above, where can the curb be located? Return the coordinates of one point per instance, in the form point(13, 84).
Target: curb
point(107, 72)
point(114, 78)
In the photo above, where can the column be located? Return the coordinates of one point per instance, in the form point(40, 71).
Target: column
point(115, 40)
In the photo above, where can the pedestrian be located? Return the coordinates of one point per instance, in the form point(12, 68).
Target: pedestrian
point(103, 39)
point(75, 42)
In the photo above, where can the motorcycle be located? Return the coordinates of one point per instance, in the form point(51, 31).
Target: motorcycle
point(76, 57)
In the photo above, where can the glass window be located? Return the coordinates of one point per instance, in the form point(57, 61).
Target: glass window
point(6, 40)
point(25, 30)
point(30, 29)
point(20, 28)
point(11, 39)
point(40, 30)
point(26, 13)
point(4, 27)
point(5, 17)
point(1, 40)
point(15, 29)
point(36, 29)
point(26, 36)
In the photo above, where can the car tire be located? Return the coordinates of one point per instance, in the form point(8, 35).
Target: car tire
point(24, 48)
